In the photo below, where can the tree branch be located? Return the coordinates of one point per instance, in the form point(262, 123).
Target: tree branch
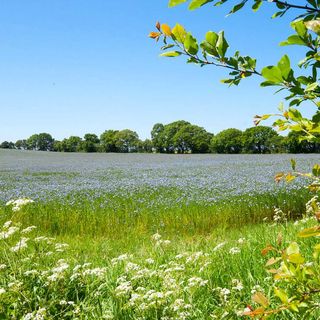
point(290, 5)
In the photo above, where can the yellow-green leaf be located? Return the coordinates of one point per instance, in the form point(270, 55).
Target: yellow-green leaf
point(309, 232)
point(261, 299)
point(173, 3)
point(171, 54)
point(179, 33)
point(281, 295)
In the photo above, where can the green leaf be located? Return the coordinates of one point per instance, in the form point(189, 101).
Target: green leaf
point(293, 40)
point(284, 66)
point(190, 44)
point(173, 3)
point(171, 54)
point(272, 74)
point(300, 28)
point(277, 14)
point(237, 7)
point(294, 114)
point(293, 248)
point(209, 45)
point(195, 4)
point(222, 44)
point(304, 80)
point(179, 33)
point(257, 5)
point(267, 84)
point(293, 164)
point(311, 86)
point(281, 295)
point(316, 170)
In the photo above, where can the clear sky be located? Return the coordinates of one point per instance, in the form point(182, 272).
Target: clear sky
point(69, 67)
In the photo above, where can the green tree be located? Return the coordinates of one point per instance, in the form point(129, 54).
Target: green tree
point(72, 144)
point(90, 143)
point(258, 139)
point(145, 146)
point(21, 144)
point(108, 141)
point(158, 138)
point(170, 130)
point(7, 145)
point(191, 139)
point(227, 141)
point(295, 144)
point(126, 141)
point(42, 142)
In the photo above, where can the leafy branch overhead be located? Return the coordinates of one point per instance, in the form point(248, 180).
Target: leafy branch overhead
point(311, 9)
point(213, 51)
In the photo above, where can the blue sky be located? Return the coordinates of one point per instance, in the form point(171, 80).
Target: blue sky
point(69, 67)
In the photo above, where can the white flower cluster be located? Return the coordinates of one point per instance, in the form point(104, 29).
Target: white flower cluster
point(8, 230)
point(19, 203)
point(234, 250)
point(38, 315)
point(167, 287)
point(312, 206)
point(279, 216)
point(158, 242)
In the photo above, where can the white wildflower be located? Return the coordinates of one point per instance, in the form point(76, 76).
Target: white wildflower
point(20, 245)
point(237, 285)
point(9, 232)
point(156, 237)
point(28, 229)
point(234, 250)
point(219, 246)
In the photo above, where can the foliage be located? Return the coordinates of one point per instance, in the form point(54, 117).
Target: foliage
point(180, 137)
point(7, 145)
point(176, 137)
point(126, 141)
point(295, 144)
point(108, 141)
point(21, 144)
point(41, 142)
point(227, 141)
point(258, 139)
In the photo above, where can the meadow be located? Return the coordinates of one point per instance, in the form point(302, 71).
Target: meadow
point(132, 236)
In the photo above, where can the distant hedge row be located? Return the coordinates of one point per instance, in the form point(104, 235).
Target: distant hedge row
point(176, 137)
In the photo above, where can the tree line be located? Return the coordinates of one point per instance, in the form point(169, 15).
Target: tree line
point(176, 137)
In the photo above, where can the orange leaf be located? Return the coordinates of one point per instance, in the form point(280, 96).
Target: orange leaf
point(154, 35)
point(253, 313)
point(267, 249)
point(166, 29)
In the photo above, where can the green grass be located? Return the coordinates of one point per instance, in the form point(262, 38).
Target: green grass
point(97, 233)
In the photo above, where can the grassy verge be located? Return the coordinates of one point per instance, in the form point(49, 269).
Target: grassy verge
point(180, 262)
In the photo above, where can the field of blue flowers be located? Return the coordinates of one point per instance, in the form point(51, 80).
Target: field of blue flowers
point(110, 236)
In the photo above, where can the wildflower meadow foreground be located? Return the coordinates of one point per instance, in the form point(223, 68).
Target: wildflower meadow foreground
point(208, 278)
